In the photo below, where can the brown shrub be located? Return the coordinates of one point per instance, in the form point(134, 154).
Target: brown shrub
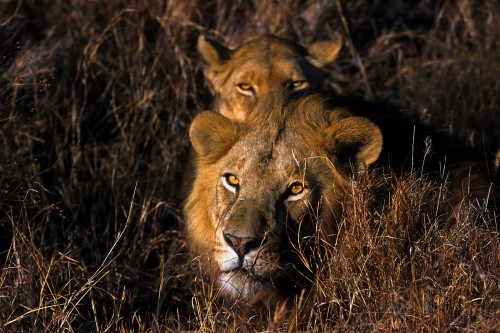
point(95, 102)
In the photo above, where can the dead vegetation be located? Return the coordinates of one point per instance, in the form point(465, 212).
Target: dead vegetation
point(95, 101)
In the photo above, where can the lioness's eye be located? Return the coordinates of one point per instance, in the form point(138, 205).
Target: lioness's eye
point(245, 86)
point(298, 83)
point(230, 182)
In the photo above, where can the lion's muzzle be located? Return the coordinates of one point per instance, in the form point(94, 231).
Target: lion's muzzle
point(244, 230)
point(242, 245)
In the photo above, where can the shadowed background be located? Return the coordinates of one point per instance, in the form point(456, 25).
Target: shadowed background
point(96, 98)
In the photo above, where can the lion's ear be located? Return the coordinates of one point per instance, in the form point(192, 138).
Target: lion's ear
point(212, 134)
point(325, 52)
point(354, 140)
point(211, 51)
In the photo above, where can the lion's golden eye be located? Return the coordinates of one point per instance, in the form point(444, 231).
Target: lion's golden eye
point(298, 83)
point(230, 182)
point(232, 179)
point(296, 188)
point(245, 86)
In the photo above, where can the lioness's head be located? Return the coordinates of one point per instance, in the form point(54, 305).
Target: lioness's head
point(265, 186)
point(266, 64)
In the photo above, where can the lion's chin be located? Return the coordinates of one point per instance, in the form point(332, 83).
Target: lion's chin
point(241, 285)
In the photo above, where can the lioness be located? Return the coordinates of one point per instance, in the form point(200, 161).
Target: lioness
point(266, 64)
point(264, 186)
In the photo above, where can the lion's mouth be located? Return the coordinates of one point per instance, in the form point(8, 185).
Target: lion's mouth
point(257, 277)
point(242, 271)
point(242, 283)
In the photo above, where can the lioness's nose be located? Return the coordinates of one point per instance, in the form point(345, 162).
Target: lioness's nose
point(242, 245)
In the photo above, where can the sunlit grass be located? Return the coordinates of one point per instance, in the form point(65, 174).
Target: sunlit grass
point(95, 103)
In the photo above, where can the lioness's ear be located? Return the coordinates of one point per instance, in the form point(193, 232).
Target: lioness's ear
point(325, 52)
point(211, 51)
point(212, 134)
point(354, 140)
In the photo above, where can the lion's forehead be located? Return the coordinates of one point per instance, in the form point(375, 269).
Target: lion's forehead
point(278, 160)
point(264, 165)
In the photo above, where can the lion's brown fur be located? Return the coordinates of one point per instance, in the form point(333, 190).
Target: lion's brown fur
point(324, 139)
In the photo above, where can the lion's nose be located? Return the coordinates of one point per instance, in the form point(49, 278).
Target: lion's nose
point(242, 245)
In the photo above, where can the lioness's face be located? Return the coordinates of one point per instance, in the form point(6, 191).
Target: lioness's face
point(264, 188)
point(264, 65)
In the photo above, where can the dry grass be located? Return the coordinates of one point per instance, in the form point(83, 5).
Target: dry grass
point(95, 102)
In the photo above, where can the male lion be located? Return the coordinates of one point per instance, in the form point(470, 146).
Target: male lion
point(266, 185)
point(266, 64)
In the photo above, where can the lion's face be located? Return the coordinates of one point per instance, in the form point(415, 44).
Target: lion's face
point(266, 64)
point(264, 188)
